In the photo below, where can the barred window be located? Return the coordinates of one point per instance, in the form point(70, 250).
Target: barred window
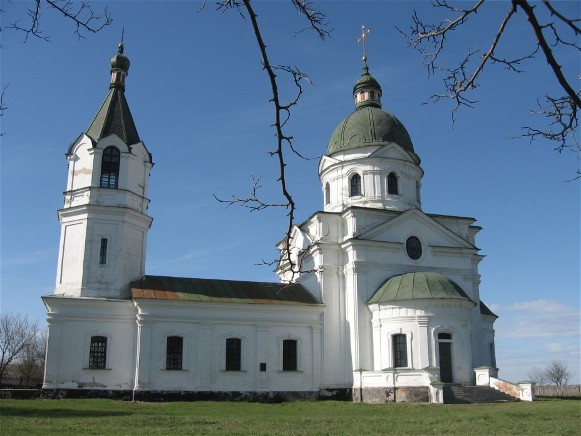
point(289, 355)
point(103, 251)
point(400, 351)
point(98, 352)
point(355, 185)
point(233, 354)
point(174, 352)
point(392, 184)
point(110, 168)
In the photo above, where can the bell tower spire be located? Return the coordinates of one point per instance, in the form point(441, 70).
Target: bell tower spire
point(104, 221)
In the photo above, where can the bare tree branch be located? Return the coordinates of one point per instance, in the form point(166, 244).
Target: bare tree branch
point(16, 333)
point(317, 19)
point(252, 202)
point(81, 14)
point(570, 23)
point(3, 106)
point(563, 123)
point(282, 113)
point(538, 30)
point(557, 373)
point(430, 40)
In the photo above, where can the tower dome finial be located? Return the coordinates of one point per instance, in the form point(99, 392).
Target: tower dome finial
point(362, 39)
point(367, 91)
point(119, 66)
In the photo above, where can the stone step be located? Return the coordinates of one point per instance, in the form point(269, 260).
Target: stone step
point(454, 394)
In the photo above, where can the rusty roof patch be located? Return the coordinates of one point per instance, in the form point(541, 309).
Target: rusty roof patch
point(220, 291)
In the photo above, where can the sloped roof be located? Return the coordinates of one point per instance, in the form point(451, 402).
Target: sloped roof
point(485, 310)
point(417, 286)
point(369, 125)
point(114, 116)
point(220, 291)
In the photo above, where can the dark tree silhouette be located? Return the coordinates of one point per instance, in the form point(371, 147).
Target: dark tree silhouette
point(316, 22)
point(80, 13)
point(16, 334)
point(551, 31)
point(557, 373)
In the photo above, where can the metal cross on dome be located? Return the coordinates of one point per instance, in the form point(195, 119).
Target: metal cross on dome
point(364, 32)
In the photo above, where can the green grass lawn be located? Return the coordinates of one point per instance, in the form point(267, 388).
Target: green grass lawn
point(545, 416)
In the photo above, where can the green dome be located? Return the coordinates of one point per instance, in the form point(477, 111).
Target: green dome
point(120, 61)
point(418, 286)
point(367, 82)
point(366, 126)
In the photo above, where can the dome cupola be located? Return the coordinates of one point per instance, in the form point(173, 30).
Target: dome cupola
point(369, 124)
point(367, 91)
point(370, 160)
point(119, 68)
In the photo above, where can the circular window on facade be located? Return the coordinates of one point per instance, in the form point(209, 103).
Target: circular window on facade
point(413, 247)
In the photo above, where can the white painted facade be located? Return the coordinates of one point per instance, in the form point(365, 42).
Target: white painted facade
point(92, 213)
point(344, 254)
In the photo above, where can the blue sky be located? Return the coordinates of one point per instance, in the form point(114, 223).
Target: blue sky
point(200, 102)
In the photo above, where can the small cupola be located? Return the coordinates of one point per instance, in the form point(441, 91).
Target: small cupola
point(119, 68)
point(367, 91)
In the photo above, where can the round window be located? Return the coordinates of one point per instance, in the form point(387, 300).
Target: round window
point(413, 247)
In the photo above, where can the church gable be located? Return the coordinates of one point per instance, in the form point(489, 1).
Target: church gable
point(415, 223)
point(392, 151)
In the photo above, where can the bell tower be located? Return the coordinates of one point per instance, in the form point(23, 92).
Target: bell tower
point(104, 221)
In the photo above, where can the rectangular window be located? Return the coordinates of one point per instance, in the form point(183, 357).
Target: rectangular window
point(103, 251)
point(400, 351)
point(174, 352)
point(289, 355)
point(233, 354)
point(98, 352)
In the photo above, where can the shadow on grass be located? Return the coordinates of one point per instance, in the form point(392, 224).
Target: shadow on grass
point(29, 412)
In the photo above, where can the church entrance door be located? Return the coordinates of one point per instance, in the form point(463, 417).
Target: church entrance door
point(445, 355)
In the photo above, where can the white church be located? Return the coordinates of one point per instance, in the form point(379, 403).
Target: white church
point(385, 307)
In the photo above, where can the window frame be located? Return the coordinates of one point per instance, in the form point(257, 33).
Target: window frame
point(174, 355)
point(110, 168)
point(392, 184)
point(355, 185)
point(97, 356)
point(327, 194)
point(399, 350)
point(414, 248)
point(290, 357)
point(104, 251)
point(233, 354)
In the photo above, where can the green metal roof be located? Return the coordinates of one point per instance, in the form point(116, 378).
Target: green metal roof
point(417, 286)
point(220, 291)
point(367, 82)
point(114, 116)
point(369, 125)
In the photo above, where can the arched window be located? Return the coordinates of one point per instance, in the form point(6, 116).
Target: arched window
point(289, 355)
point(233, 354)
point(110, 168)
point(98, 352)
point(174, 352)
point(327, 194)
point(355, 185)
point(400, 351)
point(392, 184)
